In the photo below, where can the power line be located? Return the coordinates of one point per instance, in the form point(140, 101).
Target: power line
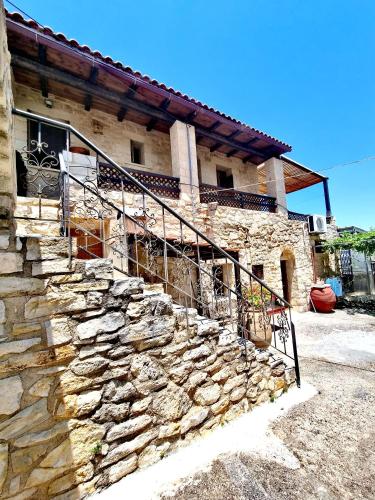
point(25, 13)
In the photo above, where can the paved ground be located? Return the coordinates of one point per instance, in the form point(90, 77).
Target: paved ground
point(314, 443)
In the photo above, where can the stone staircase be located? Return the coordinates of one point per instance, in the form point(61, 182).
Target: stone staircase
point(34, 219)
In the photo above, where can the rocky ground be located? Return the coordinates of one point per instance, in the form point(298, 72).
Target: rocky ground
point(323, 448)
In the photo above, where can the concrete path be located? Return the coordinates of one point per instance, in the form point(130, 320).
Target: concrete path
point(316, 442)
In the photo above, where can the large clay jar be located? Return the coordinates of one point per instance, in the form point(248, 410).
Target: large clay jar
point(323, 298)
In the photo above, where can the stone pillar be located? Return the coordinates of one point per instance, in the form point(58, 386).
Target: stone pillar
point(276, 183)
point(184, 159)
point(7, 168)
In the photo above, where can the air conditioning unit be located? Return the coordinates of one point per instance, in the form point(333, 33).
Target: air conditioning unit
point(317, 224)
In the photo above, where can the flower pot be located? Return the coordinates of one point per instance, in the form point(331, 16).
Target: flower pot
point(260, 329)
point(323, 298)
point(80, 150)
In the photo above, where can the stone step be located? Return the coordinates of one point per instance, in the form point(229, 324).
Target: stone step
point(41, 228)
point(154, 288)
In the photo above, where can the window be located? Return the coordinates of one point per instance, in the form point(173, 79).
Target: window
point(218, 273)
point(137, 155)
point(224, 177)
point(54, 139)
point(257, 270)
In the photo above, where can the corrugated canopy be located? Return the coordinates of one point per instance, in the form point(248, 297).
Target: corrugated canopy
point(296, 176)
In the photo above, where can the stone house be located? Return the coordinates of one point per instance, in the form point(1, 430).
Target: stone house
point(148, 262)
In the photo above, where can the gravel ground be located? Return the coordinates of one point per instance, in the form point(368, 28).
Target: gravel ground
point(332, 435)
point(318, 447)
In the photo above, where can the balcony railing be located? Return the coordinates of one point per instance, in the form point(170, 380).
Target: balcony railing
point(162, 185)
point(237, 199)
point(297, 216)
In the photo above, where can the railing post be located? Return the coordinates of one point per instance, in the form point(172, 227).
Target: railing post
point(295, 353)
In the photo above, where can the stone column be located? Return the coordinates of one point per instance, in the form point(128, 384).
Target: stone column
point(7, 167)
point(276, 183)
point(184, 159)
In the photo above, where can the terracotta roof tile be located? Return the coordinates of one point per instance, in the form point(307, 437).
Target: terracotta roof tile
point(17, 17)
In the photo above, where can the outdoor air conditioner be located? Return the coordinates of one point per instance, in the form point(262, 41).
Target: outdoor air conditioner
point(317, 224)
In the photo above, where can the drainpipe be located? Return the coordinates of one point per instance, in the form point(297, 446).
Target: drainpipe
point(326, 198)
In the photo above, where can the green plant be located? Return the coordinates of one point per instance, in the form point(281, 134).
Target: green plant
point(97, 448)
point(256, 295)
point(361, 242)
point(272, 398)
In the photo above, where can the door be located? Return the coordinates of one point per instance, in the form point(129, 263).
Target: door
point(284, 280)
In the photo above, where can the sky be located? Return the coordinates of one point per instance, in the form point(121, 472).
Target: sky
point(302, 71)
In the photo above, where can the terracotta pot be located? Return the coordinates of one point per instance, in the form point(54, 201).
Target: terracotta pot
point(80, 150)
point(323, 298)
point(263, 336)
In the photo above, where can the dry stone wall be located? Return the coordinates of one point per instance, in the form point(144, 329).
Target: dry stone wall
point(100, 377)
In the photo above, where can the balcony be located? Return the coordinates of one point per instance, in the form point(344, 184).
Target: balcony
point(161, 185)
point(237, 199)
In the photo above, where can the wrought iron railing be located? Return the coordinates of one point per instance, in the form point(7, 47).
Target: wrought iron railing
point(162, 185)
point(152, 240)
point(297, 216)
point(237, 199)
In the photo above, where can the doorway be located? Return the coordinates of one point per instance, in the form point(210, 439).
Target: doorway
point(287, 267)
point(284, 280)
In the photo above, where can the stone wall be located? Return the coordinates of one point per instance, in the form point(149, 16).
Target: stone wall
point(100, 377)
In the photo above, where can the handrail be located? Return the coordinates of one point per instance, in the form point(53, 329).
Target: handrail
point(70, 128)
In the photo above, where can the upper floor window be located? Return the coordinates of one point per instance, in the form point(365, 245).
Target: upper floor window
point(137, 152)
point(258, 271)
point(224, 177)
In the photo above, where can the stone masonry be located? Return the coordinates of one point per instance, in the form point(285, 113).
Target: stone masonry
point(100, 377)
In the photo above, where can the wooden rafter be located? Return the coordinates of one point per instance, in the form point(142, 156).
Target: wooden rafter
point(92, 79)
point(42, 56)
point(151, 124)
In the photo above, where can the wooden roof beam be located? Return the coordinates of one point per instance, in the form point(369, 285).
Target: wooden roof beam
point(151, 124)
point(92, 79)
point(213, 126)
point(121, 114)
point(190, 117)
point(215, 147)
point(125, 102)
point(165, 104)
point(42, 56)
point(132, 90)
point(234, 134)
point(232, 152)
point(247, 158)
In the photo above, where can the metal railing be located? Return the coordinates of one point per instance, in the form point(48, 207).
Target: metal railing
point(161, 185)
point(237, 199)
point(297, 216)
point(145, 237)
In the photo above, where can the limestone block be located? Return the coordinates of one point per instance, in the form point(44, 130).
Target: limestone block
point(208, 327)
point(26, 328)
point(196, 379)
point(48, 248)
point(85, 286)
point(87, 401)
point(171, 403)
point(207, 395)
point(87, 351)
point(152, 454)
point(89, 366)
point(58, 331)
point(11, 393)
point(140, 406)
point(24, 420)
point(127, 287)
point(195, 417)
point(42, 387)
point(119, 391)
point(17, 346)
point(11, 262)
point(98, 269)
point(169, 430)
point(128, 428)
point(22, 460)
point(238, 380)
point(14, 286)
point(60, 266)
point(200, 352)
point(66, 278)
point(110, 322)
point(77, 449)
point(34, 438)
point(3, 464)
point(180, 373)
point(121, 469)
point(146, 329)
point(237, 394)
point(4, 240)
point(40, 476)
point(63, 483)
point(111, 413)
point(2, 312)
point(222, 374)
point(129, 447)
point(221, 406)
point(54, 303)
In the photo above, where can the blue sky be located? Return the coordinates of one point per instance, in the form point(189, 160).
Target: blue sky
point(303, 71)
